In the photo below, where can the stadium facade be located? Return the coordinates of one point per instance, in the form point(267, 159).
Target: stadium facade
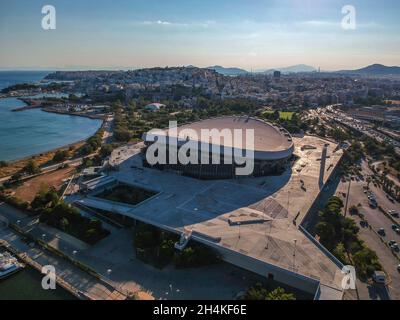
point(271, 147)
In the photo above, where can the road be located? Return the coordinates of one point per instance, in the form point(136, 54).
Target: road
point(376, 220)
point(74, 162)
point(364, 127)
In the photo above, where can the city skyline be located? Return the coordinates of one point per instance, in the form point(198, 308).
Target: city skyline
point(245, 34)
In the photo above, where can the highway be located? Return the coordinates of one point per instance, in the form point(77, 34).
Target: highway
point(358, 125)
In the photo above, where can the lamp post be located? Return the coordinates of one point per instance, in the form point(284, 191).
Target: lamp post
point(347, 198)
point(294, 254)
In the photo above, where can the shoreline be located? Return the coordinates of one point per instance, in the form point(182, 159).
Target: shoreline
point(32, 104)
point(93, 117)
point(44, 109)
point(43, 158)
point(16, 165)
point(54, 150)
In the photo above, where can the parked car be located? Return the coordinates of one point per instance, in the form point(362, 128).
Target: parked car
point(379, 277)
point(390, 198)
point(372, 203)
point(382, 232)
point(393, 213)
point(398, 268)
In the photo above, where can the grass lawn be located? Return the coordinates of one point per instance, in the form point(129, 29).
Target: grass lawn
point(284, 115)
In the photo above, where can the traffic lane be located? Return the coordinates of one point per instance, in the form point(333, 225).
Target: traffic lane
point(383, 201)
point(386, 258)
point(380, 195)
point(374, 216)
point(386, 205)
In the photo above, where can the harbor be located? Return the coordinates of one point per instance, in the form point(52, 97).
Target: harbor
point(26, 285)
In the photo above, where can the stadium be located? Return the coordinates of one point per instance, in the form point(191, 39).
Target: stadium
point(271, 147)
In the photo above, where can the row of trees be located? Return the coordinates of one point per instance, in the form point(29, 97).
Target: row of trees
point(58, 214)
point(339, 234)
point(157, 247)
point(92, 144)
point(293, 124)
point(259, 292)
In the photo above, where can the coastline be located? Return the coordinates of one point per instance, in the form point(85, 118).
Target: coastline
point(93, 117)
point(13, 166)
point(32, 104)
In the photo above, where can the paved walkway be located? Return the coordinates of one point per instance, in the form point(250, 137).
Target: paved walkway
point(81, 282)
point(128, 274)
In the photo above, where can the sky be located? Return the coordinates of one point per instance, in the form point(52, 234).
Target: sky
point(250, 34)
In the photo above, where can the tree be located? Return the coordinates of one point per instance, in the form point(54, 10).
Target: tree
point(31, 167)
point(353, 210)
point(275, 115)
point(45, 198)
point(280, 294)
point(366, 262)
point(340, 253)
point(106, 150)
point(257, 292)
point(122, 135)
point(16, 176)
point(64, 224)
point(61, 155)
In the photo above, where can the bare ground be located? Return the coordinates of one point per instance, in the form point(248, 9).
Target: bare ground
point(55, 179)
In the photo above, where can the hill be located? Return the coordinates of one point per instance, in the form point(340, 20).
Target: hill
point(229, 71)
point(374, 69)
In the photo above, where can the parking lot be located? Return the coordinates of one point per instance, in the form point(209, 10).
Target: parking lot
point(375, 220)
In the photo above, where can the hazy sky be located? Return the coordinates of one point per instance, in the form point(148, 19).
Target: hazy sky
point(244, 33)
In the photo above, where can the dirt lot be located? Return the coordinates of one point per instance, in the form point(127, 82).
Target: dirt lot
point(55, 179)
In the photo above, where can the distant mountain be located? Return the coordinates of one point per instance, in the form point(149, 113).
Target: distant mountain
point(299, 68)
point(374, 69)
point(228, 71)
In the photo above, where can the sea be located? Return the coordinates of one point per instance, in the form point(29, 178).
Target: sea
point(23, 134)
point(34, 131)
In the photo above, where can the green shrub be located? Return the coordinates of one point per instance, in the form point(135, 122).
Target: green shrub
point(259, 292)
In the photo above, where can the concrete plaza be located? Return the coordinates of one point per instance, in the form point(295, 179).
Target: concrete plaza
point(253, 222)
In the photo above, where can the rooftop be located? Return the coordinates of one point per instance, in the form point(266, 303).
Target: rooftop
point(250, 216)
point(267, 137)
